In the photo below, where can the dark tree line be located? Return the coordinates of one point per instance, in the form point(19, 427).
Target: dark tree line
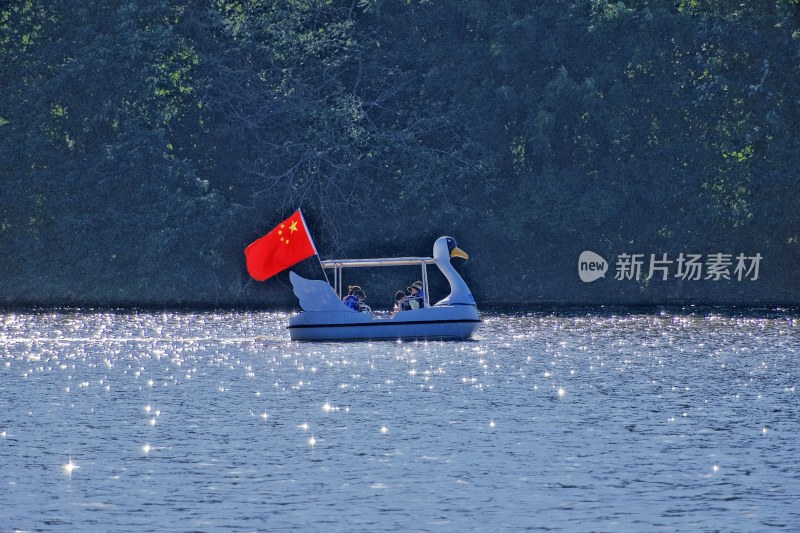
point(144, 143)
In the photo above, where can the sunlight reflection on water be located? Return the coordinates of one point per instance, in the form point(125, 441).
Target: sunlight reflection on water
point(175, 421)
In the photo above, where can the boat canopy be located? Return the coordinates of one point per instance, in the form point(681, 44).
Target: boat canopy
point(340, 264)
point(386, 261)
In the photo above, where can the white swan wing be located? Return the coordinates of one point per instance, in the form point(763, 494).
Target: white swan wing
point(316, 295)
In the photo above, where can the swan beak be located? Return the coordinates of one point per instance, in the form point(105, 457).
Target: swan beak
point(458, 252)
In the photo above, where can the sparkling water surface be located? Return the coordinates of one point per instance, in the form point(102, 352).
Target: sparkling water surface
point(209, 421)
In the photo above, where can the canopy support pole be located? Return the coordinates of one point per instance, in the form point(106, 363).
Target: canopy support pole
point(337, 273)
point(427, 302)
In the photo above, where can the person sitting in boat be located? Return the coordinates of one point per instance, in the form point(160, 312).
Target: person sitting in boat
point(355, 299)
point(361, 306)
point(352, 300)
point(399, 302)
point(416, 296)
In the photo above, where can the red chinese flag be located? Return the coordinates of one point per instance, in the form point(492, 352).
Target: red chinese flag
point(287, 244)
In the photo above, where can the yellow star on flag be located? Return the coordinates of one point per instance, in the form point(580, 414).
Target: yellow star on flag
point(293, 227)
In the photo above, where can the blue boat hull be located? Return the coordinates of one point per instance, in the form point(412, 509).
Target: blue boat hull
point(446, 322)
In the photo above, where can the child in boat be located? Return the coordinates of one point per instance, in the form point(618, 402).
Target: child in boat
point(361, 306)
point(352, 299)
point(355, 299)
point(399, 302)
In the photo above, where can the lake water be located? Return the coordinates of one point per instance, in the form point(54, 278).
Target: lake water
point(547, 421)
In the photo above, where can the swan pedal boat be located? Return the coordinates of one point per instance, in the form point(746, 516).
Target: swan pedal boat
point(325, 317)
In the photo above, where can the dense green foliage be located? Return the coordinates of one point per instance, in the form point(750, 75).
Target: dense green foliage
point(144, 143)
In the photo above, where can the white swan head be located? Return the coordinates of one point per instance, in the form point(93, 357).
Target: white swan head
point(443, 249)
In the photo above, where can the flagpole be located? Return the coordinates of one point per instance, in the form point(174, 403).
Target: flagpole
point(323, 270)
point(314, 245)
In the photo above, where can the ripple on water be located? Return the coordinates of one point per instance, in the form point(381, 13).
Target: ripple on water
point(215, 420)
